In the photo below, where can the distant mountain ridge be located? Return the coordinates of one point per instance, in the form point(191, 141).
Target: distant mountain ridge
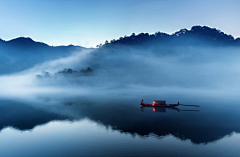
point(199, 32)
point(28, 42)
point(196, 36)
point(23, 52)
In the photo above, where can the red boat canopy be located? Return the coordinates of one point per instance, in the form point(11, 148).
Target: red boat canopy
point(159, 102)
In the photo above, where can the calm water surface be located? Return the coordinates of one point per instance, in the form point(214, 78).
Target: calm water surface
point(122, 128)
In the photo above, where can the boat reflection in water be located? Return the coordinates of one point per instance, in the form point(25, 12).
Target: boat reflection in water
point(163, 109)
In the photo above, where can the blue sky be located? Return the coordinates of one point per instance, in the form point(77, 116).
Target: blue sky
point(90, 22)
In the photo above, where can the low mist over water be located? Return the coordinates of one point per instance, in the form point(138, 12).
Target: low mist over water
point(203, 72)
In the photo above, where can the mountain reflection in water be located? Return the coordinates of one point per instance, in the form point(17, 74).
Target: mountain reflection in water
point(208, 124)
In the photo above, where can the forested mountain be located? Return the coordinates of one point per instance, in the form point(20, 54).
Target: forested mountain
point(22, 53)
point(196, 36)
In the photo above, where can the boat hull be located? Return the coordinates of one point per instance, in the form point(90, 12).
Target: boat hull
point(155, 105)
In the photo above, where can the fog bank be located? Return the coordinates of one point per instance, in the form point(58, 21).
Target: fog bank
point(132, 72)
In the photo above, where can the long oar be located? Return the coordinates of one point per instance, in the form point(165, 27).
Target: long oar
point(188, 105)
point(175, 108)
point(190, 110)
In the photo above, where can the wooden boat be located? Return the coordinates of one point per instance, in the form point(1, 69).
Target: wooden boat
point(160, 103)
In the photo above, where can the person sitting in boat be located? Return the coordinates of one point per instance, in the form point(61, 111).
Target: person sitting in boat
point(142, 101)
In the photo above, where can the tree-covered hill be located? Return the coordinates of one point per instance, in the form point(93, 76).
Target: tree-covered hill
point(196, 36)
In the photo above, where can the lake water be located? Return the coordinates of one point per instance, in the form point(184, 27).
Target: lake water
point(108, 126)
